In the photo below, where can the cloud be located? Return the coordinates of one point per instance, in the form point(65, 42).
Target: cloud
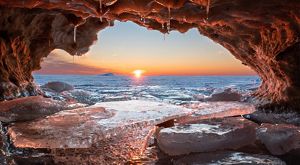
point(56, 64)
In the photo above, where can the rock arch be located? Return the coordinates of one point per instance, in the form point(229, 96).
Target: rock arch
point(263, 34)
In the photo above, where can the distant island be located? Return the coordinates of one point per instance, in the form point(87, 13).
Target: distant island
point(106, 74)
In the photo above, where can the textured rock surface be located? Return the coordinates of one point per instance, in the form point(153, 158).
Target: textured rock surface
point(116, 133)
point(29, 108)
point(260, 117)
point(279, 139)
point(263, 34)
point(28, 35)
point(57, 87)
point(207, 136)
point(226, 95)
point(229, 158)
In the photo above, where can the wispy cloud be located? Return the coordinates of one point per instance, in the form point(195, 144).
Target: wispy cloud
point(56, 64)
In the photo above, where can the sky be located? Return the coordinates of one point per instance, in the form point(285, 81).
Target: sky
point(126, 47)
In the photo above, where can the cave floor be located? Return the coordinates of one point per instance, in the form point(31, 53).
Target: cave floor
point(147, 132)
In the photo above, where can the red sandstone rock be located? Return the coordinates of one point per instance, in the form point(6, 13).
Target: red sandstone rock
point(263, 34)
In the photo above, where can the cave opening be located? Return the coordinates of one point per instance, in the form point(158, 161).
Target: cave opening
point(113, 118)
point(129, 46)
point(258, 40)
point(188, 64)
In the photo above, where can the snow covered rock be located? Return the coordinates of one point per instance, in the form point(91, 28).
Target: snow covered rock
point(207, 110)
point(117, 130)
point(207, 136)
point(279, 139)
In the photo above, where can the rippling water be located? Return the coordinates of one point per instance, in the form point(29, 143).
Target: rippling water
point(168, 88)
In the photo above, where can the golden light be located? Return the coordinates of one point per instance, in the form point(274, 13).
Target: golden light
point(138, 73)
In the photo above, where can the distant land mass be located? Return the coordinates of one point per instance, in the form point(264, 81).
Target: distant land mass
point(106, 74)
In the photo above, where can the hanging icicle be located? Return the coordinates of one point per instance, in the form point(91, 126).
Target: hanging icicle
point(74, 33)
point(100, 5)
point(169, 19)
point(207, 8)
point(75, 29)
point(100, 9)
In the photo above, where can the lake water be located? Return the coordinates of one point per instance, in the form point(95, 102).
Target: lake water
point(174, 89)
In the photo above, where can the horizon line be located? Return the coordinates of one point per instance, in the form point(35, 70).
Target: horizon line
point(115, 74)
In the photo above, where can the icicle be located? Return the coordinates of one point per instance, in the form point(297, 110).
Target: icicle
point(101, 20)
point(162, 26)
point(100, 5)
point(75, 31)
point(169, 20)
point(207, 8)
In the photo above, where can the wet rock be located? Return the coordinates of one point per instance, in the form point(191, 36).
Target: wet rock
point(80, 96)
point(116, 98)
point(29, 108)
point(228, 157)
point(207, 136)
point(216, 110)
point(226, 95)
point(279, 139)
point(200, 97)
point(274, 117)
point(117, 130)
point(57, 86)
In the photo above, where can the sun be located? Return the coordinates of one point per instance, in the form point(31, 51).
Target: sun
point(138, 73)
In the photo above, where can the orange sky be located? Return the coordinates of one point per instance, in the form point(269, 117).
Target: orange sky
point(127, 47)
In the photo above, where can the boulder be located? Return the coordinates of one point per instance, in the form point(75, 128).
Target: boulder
point(279, 139)
point(207, 136)
point(57, 86)
point(105, 133)
point(80, 96)
point(226, 95)
point(29, 108)
point(228, 157)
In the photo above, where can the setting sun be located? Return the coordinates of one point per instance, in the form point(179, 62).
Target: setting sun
point(138, 73)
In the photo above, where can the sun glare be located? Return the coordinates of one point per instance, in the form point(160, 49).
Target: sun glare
point(138, 73)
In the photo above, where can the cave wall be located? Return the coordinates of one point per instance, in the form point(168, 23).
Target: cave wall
point(263, 34)
point(29, 35)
